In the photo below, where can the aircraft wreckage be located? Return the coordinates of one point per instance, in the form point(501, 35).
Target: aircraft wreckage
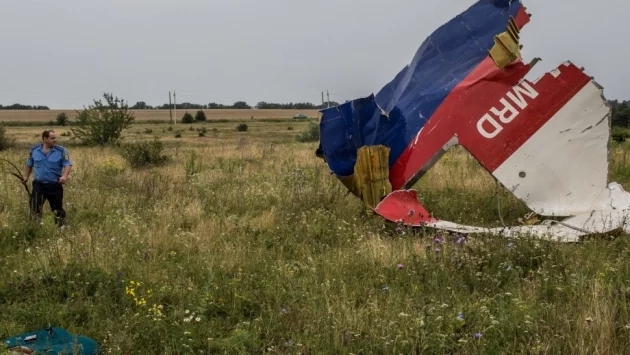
point(546, 141)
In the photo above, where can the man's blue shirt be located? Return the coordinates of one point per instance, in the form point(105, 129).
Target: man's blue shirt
point(48, 168)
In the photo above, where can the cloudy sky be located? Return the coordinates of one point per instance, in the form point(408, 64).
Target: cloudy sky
point(65, 53)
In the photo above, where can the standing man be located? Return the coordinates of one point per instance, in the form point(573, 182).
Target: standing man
point(52, 166)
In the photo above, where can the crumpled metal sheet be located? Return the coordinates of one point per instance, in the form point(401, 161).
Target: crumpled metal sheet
point(546, 141)
point(394, 116)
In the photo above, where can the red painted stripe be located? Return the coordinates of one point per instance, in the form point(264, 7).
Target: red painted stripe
point(475, 97)
point(441, 126)
point(466, 104)
point(553, 94)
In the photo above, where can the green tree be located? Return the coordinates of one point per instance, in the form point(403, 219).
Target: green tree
point(200, 116)
point(241, 105)
point(103, 123)
point(62, 119)
point(187, 118)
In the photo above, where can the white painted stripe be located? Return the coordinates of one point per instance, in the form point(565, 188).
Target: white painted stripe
point(562, 169)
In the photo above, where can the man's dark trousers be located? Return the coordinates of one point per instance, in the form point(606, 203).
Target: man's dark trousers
point(51, 192)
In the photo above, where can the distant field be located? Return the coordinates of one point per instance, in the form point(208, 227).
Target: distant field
point(145, 115)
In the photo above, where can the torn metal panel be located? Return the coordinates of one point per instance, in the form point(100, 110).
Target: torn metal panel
point(562, 167)
point(401, 206)
point(546, 141)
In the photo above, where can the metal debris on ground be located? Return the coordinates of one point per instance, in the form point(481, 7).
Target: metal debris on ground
point(547, 141)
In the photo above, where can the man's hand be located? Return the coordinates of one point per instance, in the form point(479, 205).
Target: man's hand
point(63, 179)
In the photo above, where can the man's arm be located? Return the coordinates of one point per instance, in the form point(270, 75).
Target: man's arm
point(66, 163)
point(28, 168)
point(27, 172)
point(65, 174)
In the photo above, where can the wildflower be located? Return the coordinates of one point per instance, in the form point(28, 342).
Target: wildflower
point(437, 250)
point(398, 229)
point(283, 310)
point(508, 268)
point(437, 240)
point(460, 316)
point(477, 335)
point(385, 288)
point(400, 266)
point(510, 245)
point(198, 319)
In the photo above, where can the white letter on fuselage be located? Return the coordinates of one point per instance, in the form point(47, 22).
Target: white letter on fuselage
point(493, 122)
point(528, 91)
point(503, 114)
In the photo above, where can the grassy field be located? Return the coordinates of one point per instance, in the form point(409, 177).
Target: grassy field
point(157, 115)
point(244, 243)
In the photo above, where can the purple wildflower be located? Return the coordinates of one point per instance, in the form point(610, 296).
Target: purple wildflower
point(510, 245)
point(437, 250)
point(460, 316)
point(283, 310)
point(477, 335)
point(437, 240)
point(400, 266)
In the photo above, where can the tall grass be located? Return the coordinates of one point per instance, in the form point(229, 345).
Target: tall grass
point(259, 249)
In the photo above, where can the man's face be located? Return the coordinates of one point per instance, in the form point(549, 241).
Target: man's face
point(51, 140)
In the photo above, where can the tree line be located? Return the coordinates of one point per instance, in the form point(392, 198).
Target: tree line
point(242, 105)
point(620, 109)
point(23, 107)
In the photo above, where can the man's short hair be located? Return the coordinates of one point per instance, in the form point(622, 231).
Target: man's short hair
point(47, 132)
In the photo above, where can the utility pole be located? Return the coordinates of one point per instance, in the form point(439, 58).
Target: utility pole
point(328, 98)
point(175, 105)
point(170, 109)
point(322, 98)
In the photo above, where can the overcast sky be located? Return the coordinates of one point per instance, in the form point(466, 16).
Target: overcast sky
point(64, 53)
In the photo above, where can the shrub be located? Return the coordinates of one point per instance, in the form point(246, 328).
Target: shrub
point(141, 154)
point(5, 141)
point(62, 119)
point(101, 124)
point(242, 127)
point(619, 135)
point(187, 118)
point(200, 116)
point(178, 134)
point(311, 134)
